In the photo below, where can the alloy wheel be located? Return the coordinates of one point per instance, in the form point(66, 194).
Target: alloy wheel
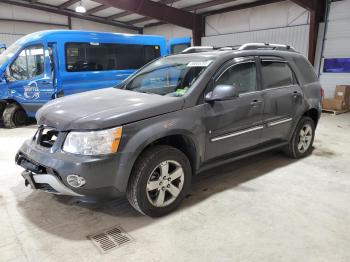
point(165, 183)
point(305, 138)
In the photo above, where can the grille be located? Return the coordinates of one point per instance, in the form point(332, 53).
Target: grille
point(46, 137)
point(110, 239)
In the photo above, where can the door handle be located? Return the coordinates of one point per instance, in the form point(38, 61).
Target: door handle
point(45, 82)
point(255, 102)
point(296, 94)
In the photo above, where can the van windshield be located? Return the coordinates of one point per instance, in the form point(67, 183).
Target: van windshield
point(169, 76)
point(8, 53)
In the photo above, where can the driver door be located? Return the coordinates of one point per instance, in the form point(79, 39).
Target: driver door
point(235, 125)
point(30, 77)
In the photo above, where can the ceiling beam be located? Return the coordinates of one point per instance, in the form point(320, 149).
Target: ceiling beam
point(66, 12)
point(241, 7)
point(229, 9)
point(157, 11)
point(187, 8)
point(309, 5)
point(119, 15)
point(125, 13)
point(207, 4)
point(67, 4)
point(96, 9)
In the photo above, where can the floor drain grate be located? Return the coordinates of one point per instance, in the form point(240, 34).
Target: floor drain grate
point(110, 239)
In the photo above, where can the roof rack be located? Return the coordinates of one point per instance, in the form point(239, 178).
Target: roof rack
point(266, 46)
point(248, 46)
point(197, 49)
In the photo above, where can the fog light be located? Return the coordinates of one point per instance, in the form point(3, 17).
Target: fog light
point(76, 181)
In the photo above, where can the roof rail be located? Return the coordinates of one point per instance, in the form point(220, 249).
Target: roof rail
point(197, 49)
point(248, 46)
point(266, 46)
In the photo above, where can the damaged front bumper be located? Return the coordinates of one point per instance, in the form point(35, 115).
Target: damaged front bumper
point(48, 183)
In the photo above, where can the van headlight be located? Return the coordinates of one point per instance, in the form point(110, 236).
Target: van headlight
point(93, 142)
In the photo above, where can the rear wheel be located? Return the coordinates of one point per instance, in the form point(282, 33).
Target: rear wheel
point(160, 180)
point(14, 116)
point(301, 143)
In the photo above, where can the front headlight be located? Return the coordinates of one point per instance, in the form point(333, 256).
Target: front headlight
point(93, 142)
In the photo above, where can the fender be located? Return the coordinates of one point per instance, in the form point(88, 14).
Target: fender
point(143, 133)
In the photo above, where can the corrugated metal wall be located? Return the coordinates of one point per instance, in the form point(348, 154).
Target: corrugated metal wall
point(337, 44)
point(283, 22)
point(296, 36)
point(10, 31)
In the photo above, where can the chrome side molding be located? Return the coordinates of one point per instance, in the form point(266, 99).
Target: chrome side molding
point(218, 138)
point(278, 122)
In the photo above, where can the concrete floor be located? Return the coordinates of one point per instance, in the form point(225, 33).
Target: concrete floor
point(265, 208)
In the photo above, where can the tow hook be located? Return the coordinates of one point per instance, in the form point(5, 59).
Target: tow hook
point(28, 179)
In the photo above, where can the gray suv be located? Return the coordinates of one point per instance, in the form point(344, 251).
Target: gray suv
point(172, 119)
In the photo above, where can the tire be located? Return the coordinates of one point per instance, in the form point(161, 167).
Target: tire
point(2, 108)
point(144, 188)
point(300, 146)
point(14, 116)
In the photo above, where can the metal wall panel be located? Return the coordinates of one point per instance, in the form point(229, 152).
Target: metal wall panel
point(8, 39)
point(296, 36)
point(336, 44)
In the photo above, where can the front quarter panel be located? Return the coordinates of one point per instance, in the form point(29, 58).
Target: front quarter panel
point(138, 135)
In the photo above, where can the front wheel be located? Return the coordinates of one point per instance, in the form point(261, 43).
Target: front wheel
point(14, 116)
point(160, 180)
point(301, 143)
point(2, 108)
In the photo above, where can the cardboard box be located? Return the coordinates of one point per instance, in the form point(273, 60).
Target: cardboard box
point(334, 104)
point(340, 105)
point(342, 93)
point(327, 103)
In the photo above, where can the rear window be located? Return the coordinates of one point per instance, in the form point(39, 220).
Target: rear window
point(104, 57)
point(306, 71)
point(276, 74)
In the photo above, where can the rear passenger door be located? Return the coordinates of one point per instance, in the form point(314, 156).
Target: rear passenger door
point(282, 96)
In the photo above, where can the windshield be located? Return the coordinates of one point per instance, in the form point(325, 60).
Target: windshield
point(169, 76)
point(8, 53)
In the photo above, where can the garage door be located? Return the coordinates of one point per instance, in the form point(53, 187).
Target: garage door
point(335, 66)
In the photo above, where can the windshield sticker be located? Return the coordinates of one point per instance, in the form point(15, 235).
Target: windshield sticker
point(199, 63)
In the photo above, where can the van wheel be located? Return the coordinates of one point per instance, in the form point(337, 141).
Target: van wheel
point(14, 116)
point(301, 143)
point(160, 180)
point(2, 108)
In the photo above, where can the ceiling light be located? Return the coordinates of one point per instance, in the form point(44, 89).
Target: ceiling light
point(80, 8)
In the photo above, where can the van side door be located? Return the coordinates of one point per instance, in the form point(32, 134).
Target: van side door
point(29, 77)
point(282, 95)
point(235, 125)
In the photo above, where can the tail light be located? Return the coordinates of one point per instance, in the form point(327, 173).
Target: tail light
point(322, 92)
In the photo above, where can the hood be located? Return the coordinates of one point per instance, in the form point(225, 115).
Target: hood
point(104, 108)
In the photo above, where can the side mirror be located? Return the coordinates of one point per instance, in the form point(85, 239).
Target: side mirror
point(221, 93)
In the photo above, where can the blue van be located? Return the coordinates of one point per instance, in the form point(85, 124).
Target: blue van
point(177, 45)
point(48, 64)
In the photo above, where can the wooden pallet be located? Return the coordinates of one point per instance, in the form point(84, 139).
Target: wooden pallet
point(334, 112)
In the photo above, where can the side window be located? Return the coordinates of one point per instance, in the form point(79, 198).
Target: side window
point(243, 76)
point(175, 49)
point(28, 64)
point(276, 74)
point(104, 57)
